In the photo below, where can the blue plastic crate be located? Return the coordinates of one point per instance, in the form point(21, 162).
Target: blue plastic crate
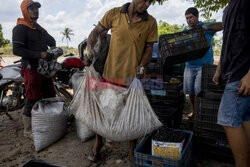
point(143, 157)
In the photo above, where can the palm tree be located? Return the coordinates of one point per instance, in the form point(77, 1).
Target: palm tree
point(67, 32)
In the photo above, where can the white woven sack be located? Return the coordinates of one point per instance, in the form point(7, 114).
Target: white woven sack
point(83, 132)
point(49, 122)
point(118, 114)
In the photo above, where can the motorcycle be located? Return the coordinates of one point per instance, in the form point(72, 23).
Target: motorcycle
point(70, 65)
point(12, 89)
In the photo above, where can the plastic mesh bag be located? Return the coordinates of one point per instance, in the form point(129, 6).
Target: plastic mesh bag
point(49, 122)
point(113, 112)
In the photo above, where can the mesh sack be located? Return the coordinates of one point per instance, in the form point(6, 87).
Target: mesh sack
point(114, 112)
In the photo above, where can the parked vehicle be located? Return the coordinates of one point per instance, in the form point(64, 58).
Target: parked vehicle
point(70, 65)
point(12, 89)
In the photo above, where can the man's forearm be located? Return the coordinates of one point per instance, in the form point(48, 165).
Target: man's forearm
point(92, 39)
point(146, 58)
point(218, 68)
point(213, 27)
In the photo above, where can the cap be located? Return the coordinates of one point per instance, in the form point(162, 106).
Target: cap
point(36, 4)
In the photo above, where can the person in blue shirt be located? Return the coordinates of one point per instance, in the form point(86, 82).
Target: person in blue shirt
point(193, 69)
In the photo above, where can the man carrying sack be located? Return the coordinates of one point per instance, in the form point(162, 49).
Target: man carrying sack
point(133, 33)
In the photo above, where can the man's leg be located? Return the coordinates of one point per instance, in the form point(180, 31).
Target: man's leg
point(233, 115)
point(98, 144)
point(237, 140)
point(188, 85)
point(246, 127)
point(197, 72)
point(27, 131)
point(132, 144)
point(97, 147)
point(192, 98)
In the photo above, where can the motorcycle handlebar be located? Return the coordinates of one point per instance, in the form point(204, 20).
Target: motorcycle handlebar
point(17, 61)
point(68, 55)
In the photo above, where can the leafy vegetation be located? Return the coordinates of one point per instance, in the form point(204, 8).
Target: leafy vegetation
point(165, 28)
point(206, 7)
point(3, 41)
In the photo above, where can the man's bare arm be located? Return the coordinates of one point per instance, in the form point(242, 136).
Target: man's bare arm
point(213, 27)
point(147, 55)
point(92, 39)
point(146, 58)
point(217, 74)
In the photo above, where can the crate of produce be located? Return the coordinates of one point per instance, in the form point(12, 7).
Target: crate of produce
point(168, 143)
point(207, 84)
point(144, 157)
point(205, 114)
point(183, 46)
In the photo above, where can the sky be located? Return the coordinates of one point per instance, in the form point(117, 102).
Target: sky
point(80, 15)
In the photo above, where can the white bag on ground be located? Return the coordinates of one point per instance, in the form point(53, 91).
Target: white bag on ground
point(76, 80)
point(49, 122)
point(83, 132)
point(117, 114)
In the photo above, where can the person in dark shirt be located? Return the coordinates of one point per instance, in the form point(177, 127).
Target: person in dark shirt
point(234, 69)
point(31, 41)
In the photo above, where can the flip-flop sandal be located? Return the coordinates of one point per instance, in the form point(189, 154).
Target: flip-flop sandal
point(92, 156)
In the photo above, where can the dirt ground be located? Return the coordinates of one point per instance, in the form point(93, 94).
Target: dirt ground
point(15, 150)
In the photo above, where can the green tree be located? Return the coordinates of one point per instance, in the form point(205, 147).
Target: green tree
point(3, 41)
point(67, 32)
point(205, 6)
point(165, 28)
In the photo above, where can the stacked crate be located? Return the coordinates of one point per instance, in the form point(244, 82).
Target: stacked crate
point(167, 102)
point(209, 135)
point(166, 97)
point(154, 70)
point(183, 46)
